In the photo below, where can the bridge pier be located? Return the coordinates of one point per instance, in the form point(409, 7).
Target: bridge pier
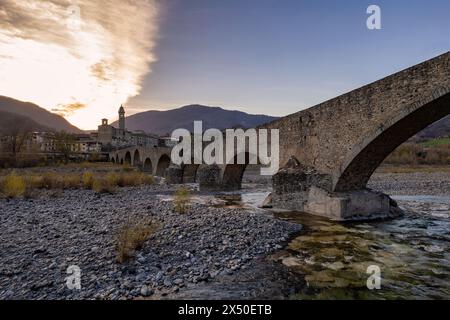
point(210, 178)
point(304, 189)
point(174, 174)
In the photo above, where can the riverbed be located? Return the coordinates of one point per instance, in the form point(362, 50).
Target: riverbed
point(225, 246)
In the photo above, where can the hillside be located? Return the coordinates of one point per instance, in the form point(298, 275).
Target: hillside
point(440, 128)
point(37, 114)
point(10, 123)
point(164, 122)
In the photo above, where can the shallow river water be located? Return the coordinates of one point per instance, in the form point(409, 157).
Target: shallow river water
point(412, 252)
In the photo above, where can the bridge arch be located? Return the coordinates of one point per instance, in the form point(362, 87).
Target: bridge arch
point(148, 166)
point(163, 164)
point(371, 151)
point(137, 159)
point(234, 172)
point(117, 159)
point(127, 159)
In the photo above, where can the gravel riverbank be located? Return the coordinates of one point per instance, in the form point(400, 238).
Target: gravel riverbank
point(412, 183)
point(40, 238)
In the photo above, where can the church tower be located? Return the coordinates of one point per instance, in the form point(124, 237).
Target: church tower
point(122, 118)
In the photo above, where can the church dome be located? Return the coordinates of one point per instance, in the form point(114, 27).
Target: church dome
point(121, 109)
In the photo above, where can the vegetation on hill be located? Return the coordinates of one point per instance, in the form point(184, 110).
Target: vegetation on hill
point(429, 152)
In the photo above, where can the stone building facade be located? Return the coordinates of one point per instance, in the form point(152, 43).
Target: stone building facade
point(114, 138)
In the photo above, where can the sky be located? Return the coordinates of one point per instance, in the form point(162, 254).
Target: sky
point(271, 57)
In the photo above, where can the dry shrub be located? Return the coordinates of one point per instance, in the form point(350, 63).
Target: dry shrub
point(182, 199)
point(102, 185)
point(51, 180)
point(71, 181)
point(143, 179)
point(132, 237)
point(132, 179)
point(14, 186)
point(35, 182)
point(126, 167)
point(429, 153)
point(147, 179)
point(88, 180)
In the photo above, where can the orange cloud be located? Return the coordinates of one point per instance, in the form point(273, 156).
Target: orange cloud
point(69, 109)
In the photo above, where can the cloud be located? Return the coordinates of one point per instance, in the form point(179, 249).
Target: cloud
point(67, 52)
point(69, 109)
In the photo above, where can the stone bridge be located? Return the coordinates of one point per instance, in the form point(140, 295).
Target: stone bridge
point(329, 152)
point(155, 160)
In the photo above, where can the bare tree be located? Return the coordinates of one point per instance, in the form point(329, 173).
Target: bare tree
point(64, 144)
point(14, 135)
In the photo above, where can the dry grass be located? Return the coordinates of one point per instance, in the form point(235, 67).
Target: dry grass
point(182, 198)
point(15, 184)
point(88, 180)
point(133, 178)
point(102, 185)
point(420, 154)
point(89, 165)
point(132, 237)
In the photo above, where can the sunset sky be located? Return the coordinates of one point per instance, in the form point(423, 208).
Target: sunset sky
point(259, 56)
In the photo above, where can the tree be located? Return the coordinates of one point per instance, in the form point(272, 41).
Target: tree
point(14, 134)
point(64, 144)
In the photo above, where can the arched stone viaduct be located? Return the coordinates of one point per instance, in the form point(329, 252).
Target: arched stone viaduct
point(151, 159)
point(329, 152)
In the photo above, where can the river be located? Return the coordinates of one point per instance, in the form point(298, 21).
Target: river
point(412, 252)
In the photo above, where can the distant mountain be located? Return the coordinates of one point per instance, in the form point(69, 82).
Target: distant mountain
point(10, 122)
point(37, 114)
point(164, 122)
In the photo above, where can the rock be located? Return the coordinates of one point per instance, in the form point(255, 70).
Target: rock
point(167, 282)
point(146, 291)
point(267, 203)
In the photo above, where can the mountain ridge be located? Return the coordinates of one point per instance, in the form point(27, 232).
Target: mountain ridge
point(37, 114)
point(164, 122)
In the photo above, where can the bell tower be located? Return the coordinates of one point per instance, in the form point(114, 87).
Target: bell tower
point(122, 118)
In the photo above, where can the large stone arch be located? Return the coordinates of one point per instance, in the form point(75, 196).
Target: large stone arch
point(137, 158)
point(339, 143)
point(127, 159)
point(234, 172)
point(117, 159)
point(163, 164)
point(148, 166)
point(370, 153)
